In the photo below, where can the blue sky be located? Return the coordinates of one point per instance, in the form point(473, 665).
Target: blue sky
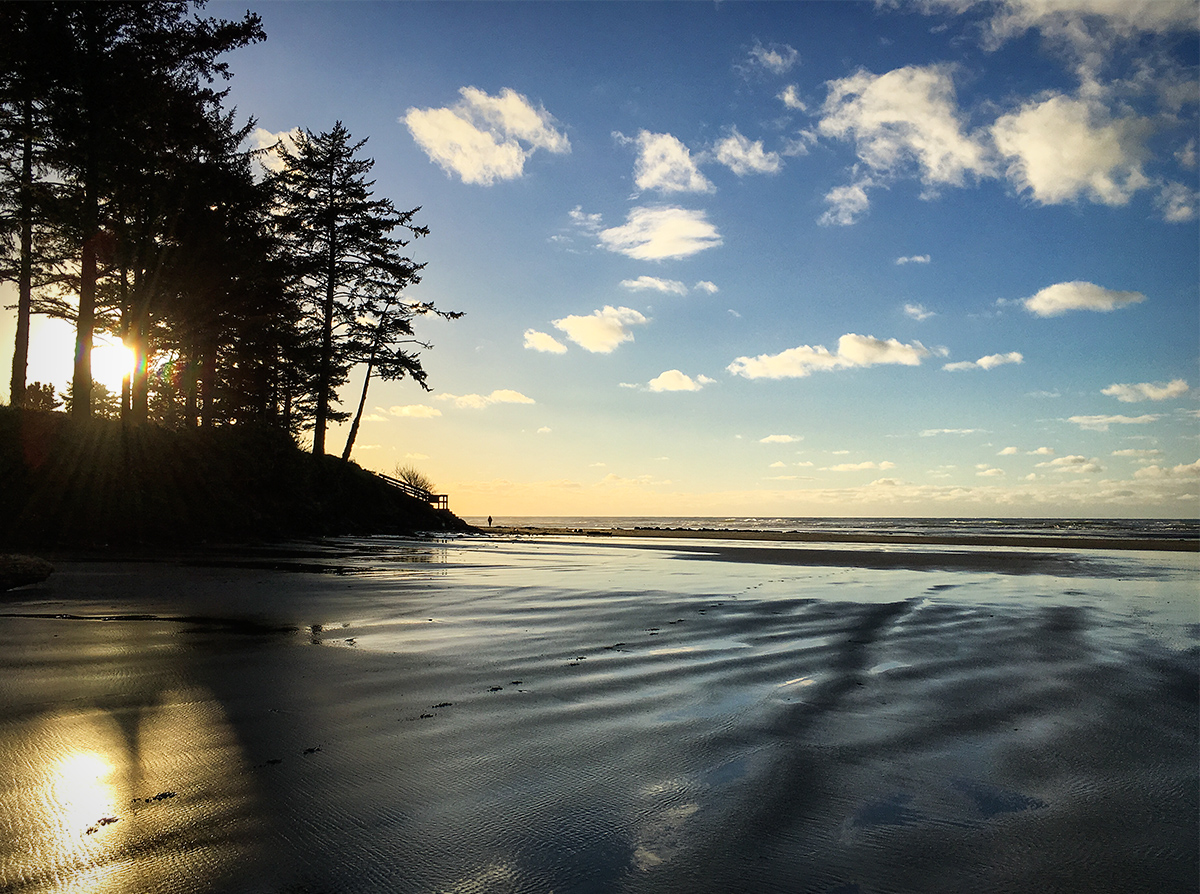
point(810, 258)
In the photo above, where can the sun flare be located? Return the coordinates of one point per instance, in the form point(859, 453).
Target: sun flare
point(111, 363)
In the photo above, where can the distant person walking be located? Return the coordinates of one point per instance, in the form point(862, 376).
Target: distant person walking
point(489, 521)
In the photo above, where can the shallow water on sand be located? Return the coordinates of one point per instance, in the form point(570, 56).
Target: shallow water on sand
point(576, 715)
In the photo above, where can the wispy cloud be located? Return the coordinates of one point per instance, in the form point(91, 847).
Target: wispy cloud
point(705, 286)
point(1074, 463)
point(991, 361)
point(541, 341)
point(1140, 391)
point(918, 311)
point(743, 157)
point(860, 467)
point(415, 411)
point(1101, 423)
point(602, 330)
point(847, 204)
point(914, 259)
point(1062, 297)
point(932, 432)
point(485, 138)
point(479, 401)
point(776, 58)
point(853, 350)
point(653, 233)
point(670, 286)
point(779, 439)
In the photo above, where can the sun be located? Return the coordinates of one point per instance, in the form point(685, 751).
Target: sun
point(111, 363)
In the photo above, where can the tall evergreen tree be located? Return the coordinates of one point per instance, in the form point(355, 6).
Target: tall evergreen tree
point(340, 237)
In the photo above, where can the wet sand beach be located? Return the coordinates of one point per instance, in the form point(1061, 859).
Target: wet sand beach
point(615, 712)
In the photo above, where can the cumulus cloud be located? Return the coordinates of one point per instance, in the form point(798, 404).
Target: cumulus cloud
point(479, 401)
point(853, 350)
point(743, 157)
point(1188, 470)
point(659, 232)
point(991, 361)
point(990, 473)
point(263, 142)
point(1101, 423)
point(906, 119)
point(1177, 202)
point(1077, 20)
point(779, 439)
point(1061, 149)
point(540, 341)
point(1147, 391)
point(847, 204)
point(914, 259)
point(602, 330)
point(589, 223)
point(674, 380)
point(1009, 451)
point(1067, 296)
point(705, 286)
point(1075, 463)
point(670, 286)
point(918, 311)
point(1137, 454)
point(415, 411)
point(775, 58)
point(485, 138)
point(665, 164)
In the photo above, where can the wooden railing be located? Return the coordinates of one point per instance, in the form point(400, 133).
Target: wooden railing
point(437, 501)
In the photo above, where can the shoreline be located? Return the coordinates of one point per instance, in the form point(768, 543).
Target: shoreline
point(1056, 541)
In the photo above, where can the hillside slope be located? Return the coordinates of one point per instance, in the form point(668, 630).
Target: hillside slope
point(68, 482)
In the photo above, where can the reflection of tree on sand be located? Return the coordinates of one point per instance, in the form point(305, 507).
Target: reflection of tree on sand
point(124, 789)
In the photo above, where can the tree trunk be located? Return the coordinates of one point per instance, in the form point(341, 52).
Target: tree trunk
point(362, 402)
point(85, 324)
point(20, 364)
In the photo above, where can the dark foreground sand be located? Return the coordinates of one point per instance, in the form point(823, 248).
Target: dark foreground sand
point(576, 714)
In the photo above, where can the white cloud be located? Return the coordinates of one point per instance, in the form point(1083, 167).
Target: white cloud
point(655, 233)
point(743, 157)
point(790, 97)
point(603, 330)
point(1009, 451)
point(853, 350)
point(1101, 423)
point(846, 204)
point(1076, 463)
point(905, 119)
point(1066, 296)
point(540, 341)
point(589, 223)
point(1070, 18)
point(705, 286)
point(775, 58)
point(544, 430)
point(670, 286)
point(860, 467)
point(989, 362)
point(1061, 149)
point(1137, 454)
point(1147, 391)
point(674, 380)
point(479, 401)
point(485, 138)
point(415, 411)
point(914, 259)
point(931, 432)
point(779, 439)
point(991, 473)
point(1178, 202)
point(1189, 470)
point(262, 140)
point(918, 311)
point(665, 164)
point(1042, 451)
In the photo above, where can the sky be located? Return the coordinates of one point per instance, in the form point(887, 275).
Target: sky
point(772, 259)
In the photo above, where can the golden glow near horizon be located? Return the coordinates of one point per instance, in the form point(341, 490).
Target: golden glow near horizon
point(111, 363)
